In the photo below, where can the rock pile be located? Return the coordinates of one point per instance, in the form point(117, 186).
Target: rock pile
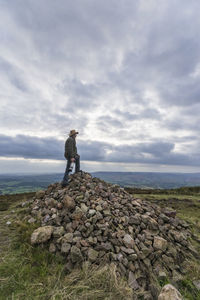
point(91, 220)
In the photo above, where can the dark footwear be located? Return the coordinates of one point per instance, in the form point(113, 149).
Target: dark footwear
point(63, 185)
point(80, 171)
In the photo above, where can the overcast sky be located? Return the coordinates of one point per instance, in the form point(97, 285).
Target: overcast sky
point(125, 74)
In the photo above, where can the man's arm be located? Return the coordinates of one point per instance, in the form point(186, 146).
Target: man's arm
point(71, 149)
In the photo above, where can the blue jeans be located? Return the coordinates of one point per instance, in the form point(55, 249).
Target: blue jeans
point(77, 168)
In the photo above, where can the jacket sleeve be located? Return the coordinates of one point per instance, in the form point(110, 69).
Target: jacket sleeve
point(71, 150)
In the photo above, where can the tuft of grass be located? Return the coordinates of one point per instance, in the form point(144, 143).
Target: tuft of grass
point(93, 283)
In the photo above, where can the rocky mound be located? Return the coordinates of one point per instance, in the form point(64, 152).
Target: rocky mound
point(91, 220)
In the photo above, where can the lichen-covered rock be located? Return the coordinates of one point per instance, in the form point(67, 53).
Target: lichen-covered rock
point(169, 292)
point(41, 235)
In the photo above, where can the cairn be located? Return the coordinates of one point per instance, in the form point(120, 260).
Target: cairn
point(92, 220)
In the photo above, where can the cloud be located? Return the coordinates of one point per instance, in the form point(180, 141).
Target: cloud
point(154, 152)
point(125, 74)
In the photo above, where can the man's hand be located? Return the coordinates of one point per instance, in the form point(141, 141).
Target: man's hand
point(72, 159)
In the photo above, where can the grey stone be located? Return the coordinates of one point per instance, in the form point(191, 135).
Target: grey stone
point(197, 284)
point(92, 212)
point(76, 255)
point(68, 237)
point(92, 255)
point(84, 208)
point(41, 235)
point(159, 243)
point(52, 248)
point(169, 292)
point(128, 241)
point(65, 247)
point(31, 220)
point(58, 231)
point(40, 194)
point(132, 282)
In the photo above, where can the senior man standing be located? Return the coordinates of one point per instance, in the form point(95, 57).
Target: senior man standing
point(71, 155)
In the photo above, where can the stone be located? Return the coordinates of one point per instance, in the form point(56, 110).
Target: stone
point(65, 247)
point(46, 218)
point(92, 255)
point(58, 231)
point(77, 214)
point(132, 257)
point(128, 241)
point(162, 275)
point(197, 284)
point(127, 250)
point(132, 282)
point(76, 255)
point(69, 203)
point(92, 212)
point(99, 208)
point(170, 213)
point(52, 248)
point(31, 220)
point(159, 243)
point(106, 212)
point(41, 235)
point(169, 292)
point(40, 194)
point(134, 220)
point(84, 208)
point(68, 237)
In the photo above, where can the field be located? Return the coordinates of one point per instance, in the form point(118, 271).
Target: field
point(33, 273)
point(12, 184)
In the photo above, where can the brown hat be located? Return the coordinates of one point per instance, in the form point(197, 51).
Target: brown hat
point(72, 132)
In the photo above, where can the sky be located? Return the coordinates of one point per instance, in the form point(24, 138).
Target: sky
point(125, 74)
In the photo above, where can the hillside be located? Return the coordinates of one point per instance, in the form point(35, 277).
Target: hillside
point(146, 245)
point(150, 179)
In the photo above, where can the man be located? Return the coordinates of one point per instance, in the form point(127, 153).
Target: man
point(71, 155)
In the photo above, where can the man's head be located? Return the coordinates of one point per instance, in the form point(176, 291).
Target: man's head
point(73, 133)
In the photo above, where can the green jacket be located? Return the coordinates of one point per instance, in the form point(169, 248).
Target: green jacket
point(70, 148)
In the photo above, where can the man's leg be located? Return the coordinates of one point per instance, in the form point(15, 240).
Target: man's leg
point(77, 162)
point(65, 178)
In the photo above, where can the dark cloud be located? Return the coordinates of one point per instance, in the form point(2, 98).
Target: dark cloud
point(30, 147)
point(156, 152)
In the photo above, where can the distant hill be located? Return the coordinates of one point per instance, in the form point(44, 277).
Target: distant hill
point(150, 179)
point(12, 184)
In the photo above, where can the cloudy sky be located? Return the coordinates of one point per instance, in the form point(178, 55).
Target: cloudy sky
point(125, 74)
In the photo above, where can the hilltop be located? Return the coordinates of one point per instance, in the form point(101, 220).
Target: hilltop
point(95, 221)
point(94, 224)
